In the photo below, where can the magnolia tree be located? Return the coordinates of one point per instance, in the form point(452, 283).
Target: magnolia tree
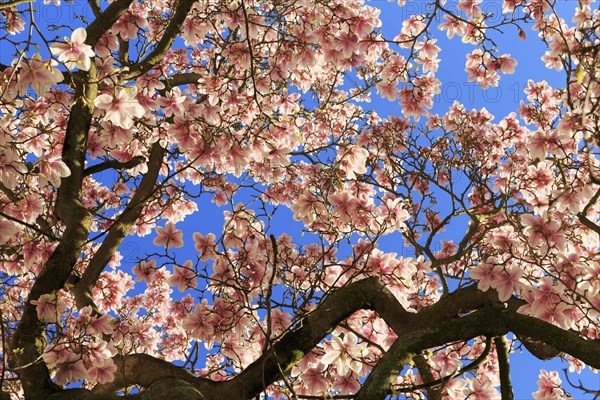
point(134, 116)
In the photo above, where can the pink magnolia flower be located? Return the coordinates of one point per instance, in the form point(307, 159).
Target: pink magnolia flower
point(454, 388)
point(115, 135)
point(49, 308)
point(347, 43)
point(484, 273)
point(575, 364)
point(387, 89)
point(101, 325)
point(344, 353)
point(560, 314)
point(307, 208)
point(205, 246)
point(168, 236)
point(414, 104)
point(427, 48)
point(280, 320)
point(506, 281)
point(52, 169)
point(172, 102)
point(453, 26)
point(503, 238)
point(129, 24)
point(543, 233)
point(354, 161)
point(145, 271)
point(7, 230)
point(447, 362)
point(120, 109)
point(30, 208)
point(183, 277)
point(548, 386)
point(572, 200)
point(104, 372)
point(70, 368)
point(470, 7)
point(315, 380)
point(74, 53)
point(394, 212)
point(505, 64)
point(241, 350)
point(53, 354)
point(482, 390)
point(546, 296)
point(41, 75)
point(347, 384)
point(100, 351)
point(200, 323)
point(345, 205)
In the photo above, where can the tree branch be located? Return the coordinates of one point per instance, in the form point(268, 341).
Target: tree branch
point(182, 79)
point(24, 355)
point(433, 392)
point(114, 164)
point(165, 42)
point(95, 6)
point(570, 342)
point(477, 362)
point(447, 321)
point(587, 222)
point(106, 20)
point(143, 370)
point(84, 394)
point(506, 390)
point(13, 3)
point(379, 382)
point(118, 231)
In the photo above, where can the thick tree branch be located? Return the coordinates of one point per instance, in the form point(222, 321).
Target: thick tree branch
point(95, 6)
point(366, 294)
point(369, 293)
point(24, 355)
point(379, 382)
point(568, 342)
point(506, 390)
point(124, 51)
point(381, 378)
point(452, 319)
point(541, 350)
point(143, 370)
point(83, 394)
point(118, 231)
point(106, 20)
point(440, 381)
point(587, 222)
point(433, 392)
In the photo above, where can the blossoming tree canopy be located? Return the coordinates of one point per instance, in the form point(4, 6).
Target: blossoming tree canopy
point(127, 122)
